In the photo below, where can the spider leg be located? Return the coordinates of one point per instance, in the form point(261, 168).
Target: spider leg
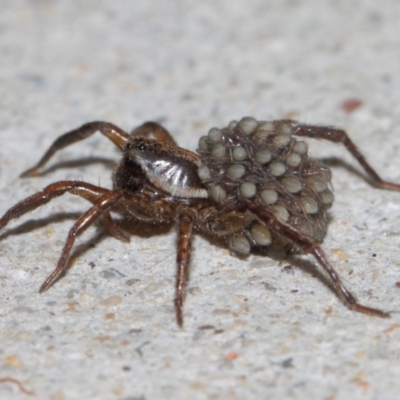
point(101, 205)
point(185, 236)
point(82, 189)
point(153, 130)
point(336, 135)
point(113, 229)
point(115, 134)
point(311, 247)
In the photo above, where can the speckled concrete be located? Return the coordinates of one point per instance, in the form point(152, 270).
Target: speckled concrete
point(253, 328)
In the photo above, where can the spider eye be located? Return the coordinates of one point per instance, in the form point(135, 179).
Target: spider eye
point(140, 147)
point(136, 146)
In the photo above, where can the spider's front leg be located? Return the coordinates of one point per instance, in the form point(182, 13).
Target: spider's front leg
point(185, 236)
point(311, 247)
point(336, 135)
point(153, 130)
point(119, 137)
point(86, 190)
point(111, 131)
point(103, 200)
point(101, 205)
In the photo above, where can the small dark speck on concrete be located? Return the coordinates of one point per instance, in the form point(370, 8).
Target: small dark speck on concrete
point(286, 363)
point(32, 78)
point(46, 328)
point(134, 398)
point(138, 349)
point(288, 269)
point(206, 327)
point(269, 286)
point(135, 331)
point(71, 293)
point(111, 273)
point(131, 282)
point(397, 284)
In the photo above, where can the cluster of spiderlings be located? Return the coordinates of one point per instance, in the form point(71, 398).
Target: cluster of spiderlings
point(263, 163)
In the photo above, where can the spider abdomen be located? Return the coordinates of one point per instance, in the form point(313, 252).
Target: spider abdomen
point(263, 163)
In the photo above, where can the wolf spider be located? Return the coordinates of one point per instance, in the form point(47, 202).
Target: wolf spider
point(252, 185)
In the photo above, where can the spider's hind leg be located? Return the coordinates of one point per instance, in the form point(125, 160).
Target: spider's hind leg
point(336, 135)
point(311, 247)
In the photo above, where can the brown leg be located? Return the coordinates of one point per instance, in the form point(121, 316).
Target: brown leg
point(340, 136)
point(82, 189)
point(350, 300)
point(115, 134)
point(113, 229)
point(101, 205)
point(309, 246)
point(185, 236)
point(153, 130)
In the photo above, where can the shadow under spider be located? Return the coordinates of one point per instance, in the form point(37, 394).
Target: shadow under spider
point(336, 162)
point(312, 269)
point(33, 224)
point(133, 227)
point(296, 260)
point(83, 163)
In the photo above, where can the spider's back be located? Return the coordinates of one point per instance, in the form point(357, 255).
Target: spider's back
point(263, 163)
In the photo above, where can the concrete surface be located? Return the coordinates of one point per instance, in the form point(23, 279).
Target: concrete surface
point(253, 329)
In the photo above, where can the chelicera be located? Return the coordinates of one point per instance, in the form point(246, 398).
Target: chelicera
point(251, 184)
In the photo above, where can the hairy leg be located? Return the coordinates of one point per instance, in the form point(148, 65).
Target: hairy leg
point(101, 205)
point(336, 135)
point(153, 130)
point(86, 190)
point(111, 131)
point(311, 247)
point(185, 236)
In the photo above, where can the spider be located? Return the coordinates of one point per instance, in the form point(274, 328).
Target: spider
point(252, 186)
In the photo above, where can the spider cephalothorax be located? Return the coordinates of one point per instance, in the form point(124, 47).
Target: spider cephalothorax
point(252, 185)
